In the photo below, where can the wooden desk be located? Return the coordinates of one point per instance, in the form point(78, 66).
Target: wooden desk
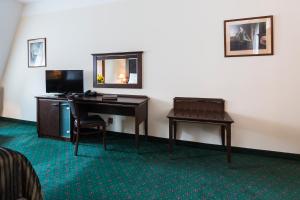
point(126, 105)
point(200, 110)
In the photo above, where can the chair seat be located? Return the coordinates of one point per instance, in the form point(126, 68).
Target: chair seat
point(91, 120)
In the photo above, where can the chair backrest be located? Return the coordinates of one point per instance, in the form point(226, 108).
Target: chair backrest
point(73, 106)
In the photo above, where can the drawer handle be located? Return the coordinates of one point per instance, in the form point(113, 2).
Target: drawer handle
point(55, 104)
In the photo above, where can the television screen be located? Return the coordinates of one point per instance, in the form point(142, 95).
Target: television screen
point(64, 81)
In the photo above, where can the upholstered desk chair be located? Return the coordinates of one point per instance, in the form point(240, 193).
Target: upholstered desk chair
point(85, 124)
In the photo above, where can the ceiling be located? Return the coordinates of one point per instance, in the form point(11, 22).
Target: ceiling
point(48, 1)
point(29, 1)
point(35, 7)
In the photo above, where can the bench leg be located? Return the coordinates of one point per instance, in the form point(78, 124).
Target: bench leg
point(228, 140)
point(137, 132)
point(223, 135)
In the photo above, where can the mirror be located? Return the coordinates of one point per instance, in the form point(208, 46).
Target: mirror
point(118, 70)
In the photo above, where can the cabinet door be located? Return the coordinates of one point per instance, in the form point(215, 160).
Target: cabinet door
point(48, 112)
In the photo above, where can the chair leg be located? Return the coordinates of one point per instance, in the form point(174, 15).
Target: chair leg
point(104, 137)
point(76, 143)
point(100, 138)
point(73, 135)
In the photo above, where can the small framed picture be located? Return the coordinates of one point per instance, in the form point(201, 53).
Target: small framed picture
point(37, 52)
point(249, 36)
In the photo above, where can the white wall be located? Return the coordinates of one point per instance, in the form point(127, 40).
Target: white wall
point(183, 45)
point(10, 12)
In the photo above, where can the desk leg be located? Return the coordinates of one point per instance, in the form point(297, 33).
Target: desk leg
point(137, 132)
point(170, 135)
point(175, 130)
point(146, 128)
point(228, 140)
point(223, 135)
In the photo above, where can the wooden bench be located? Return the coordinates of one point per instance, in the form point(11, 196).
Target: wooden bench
point(200, 110)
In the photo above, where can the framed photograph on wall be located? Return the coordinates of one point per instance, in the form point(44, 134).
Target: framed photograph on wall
point(249, 36)
point(37, 52)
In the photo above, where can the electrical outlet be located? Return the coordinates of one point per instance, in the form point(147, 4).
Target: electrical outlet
point(110, 120)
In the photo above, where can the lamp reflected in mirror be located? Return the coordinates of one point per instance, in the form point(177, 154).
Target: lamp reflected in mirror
point(122, 78)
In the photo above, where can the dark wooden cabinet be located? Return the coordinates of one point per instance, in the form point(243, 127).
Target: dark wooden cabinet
point(52, 119)
point(48, 117)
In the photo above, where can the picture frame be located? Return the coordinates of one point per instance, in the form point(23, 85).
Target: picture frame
point(249, 37)
point(37, 52)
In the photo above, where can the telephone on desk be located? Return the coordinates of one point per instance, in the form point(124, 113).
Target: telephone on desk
point(90, 93)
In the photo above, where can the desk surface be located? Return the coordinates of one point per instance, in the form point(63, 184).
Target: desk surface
point(122, 99)
point(201, 117)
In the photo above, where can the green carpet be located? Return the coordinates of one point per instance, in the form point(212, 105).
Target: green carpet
point(121, 173)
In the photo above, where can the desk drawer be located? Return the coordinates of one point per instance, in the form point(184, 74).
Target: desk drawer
point(126, 110)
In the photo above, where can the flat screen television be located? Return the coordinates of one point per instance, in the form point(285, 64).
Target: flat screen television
point(64, 81)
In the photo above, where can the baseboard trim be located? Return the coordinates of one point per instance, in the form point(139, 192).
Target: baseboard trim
point(244, 150)
point(217, 147)
point(17, 120)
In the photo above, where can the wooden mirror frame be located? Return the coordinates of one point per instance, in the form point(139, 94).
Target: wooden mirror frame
point(121, 55)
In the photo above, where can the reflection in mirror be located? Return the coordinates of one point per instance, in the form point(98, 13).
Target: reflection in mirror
point(117, 71)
